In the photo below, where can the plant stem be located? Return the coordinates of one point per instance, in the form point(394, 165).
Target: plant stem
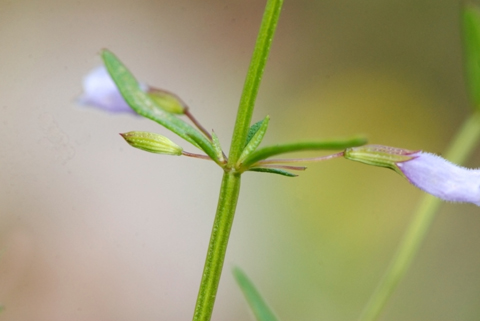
point(461, 147)
point(254, 76)
point(222, 225)
point(231, 178)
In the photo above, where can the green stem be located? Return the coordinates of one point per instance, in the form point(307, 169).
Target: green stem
point(458, 152)
point(231, 178)
point(254, 76)
point(217, 248)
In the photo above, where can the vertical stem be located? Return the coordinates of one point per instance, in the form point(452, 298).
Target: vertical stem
point(461, 147)
point(217, 248)
point(231, 178)
point(254, 76)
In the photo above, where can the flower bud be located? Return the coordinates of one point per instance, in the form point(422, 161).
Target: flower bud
point(152, 143)
point(167, 101)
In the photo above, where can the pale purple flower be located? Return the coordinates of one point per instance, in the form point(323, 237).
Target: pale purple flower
point(100, 91)
point(441, 178)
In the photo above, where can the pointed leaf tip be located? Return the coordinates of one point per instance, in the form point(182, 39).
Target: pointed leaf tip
point(255, 141)
point(272, 171)
point(257, 304)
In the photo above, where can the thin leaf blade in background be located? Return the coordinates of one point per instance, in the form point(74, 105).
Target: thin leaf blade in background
point(471, 48)
point(259, 307)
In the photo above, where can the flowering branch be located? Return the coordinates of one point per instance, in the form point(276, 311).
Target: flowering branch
point(462, 146)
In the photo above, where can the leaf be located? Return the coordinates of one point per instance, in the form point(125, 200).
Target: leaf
point(145, 106)
point(253, 130)
point(471, 48)
point(334, 144)
point(259, 308)
point(254, 141)
point(217, 147)
point(272, 171)
point(207, 147)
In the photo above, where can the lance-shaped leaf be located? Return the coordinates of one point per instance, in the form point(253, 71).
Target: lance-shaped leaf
point(217, 147)
point(259, 308)
point(207, 147)
point(144, 105)
point(253, 130)
point(334, 144)
point(471, 44)
point(254, 141)
point(272, 171)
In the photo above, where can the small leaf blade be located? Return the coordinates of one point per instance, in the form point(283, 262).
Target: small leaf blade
point(139, 101)
point(207, 147)
point(255, 140)
point(334, 144)
point(253, 130)
point(471, 48)
point(272, 171)
point(259, 307)
point(217, 147)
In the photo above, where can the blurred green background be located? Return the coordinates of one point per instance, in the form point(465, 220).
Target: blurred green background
point(94, 230)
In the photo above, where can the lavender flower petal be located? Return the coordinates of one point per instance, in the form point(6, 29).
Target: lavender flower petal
point(441, 178)
point(100, 91)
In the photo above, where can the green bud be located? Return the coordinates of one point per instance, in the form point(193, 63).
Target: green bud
point(152, 143)
point(167, 101)
point(378, 155)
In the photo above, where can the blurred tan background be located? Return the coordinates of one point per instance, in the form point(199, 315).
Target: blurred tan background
point(91, 229)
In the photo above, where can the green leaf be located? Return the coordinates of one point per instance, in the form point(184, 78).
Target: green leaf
point(260, 309)
point(207, 147)
point(471, 44)
point(217, 147)
point(254, 141)
point(145, 106)
point(253, 130)
point(272, 171)
point(334, 144)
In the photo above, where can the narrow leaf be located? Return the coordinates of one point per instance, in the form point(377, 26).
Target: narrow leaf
point(334, 144)
point(254, 141)
point(253, 130)
point(207, 147)
point(471, 44)
point(217, 147)
point(144, 105)
point(272, 171)
point(259, 308)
